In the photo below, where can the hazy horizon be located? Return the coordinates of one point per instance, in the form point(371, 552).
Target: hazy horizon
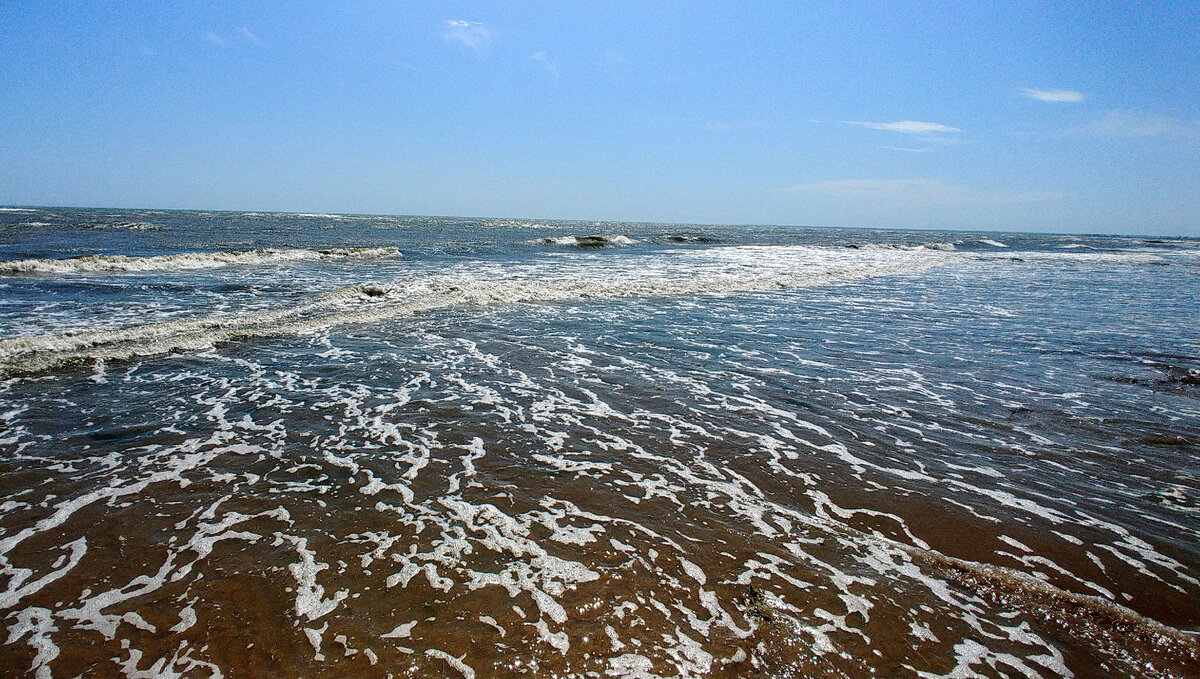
point(523, 218)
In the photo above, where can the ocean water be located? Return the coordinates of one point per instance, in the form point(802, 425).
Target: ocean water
point(278, 445)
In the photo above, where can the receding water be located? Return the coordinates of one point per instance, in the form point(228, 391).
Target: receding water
point(249, 445)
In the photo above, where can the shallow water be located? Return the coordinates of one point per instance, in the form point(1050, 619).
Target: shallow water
point(511, 450)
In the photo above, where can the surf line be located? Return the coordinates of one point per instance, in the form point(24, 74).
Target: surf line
point(368, 303)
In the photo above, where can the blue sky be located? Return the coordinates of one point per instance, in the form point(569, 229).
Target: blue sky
point(1047, 116)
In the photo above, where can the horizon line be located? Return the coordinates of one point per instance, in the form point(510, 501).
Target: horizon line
point(582, 220)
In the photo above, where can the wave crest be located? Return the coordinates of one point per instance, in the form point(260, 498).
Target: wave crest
point(588, 242)
point(371, 303)
point(189, 260)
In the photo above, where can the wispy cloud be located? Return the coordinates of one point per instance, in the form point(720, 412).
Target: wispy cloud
point(214, 39)
point(472, 34)
point(250, 37)
point(243, 36)
point(543, 59)
point(910, 149)
point(726, 126)
point(1053, 96)
point(1134, 124)
point(907, 127)
point(918, 191)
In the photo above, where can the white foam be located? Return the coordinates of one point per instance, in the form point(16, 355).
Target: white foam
point(179, 664)
point(315, 636)
point(714, 271)
point(491, 622)
point(402, 631)
point(319, 215)
point(38, 623)
point(631, 666)
point(922, 631)
point(693, 570)
point(187, 261)
point(187, 618)
point(456, 663)
point(596, 241)
point(311, 602)
point(1106, 258)
point(17, 587)
point(559, 640)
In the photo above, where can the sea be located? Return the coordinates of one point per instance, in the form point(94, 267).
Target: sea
point(281, 446)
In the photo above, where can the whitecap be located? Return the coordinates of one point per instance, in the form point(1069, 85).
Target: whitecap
point(186, 261)
point(712, 271)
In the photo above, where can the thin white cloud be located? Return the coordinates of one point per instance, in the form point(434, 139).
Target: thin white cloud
point(917, 192)
point(726, 126)
point(1053, 96)
point(543, 59)
point(250, 37)
point(1134, 124)
point(907, 126)
point(472, 34)
point(214, 39)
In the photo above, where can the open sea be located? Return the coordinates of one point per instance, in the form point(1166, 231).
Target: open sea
point(319, 446)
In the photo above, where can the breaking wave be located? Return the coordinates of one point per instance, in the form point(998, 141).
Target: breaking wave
point(128, 226)
point(945, 247)
point(689, 239)
point(189, 260)
point(588, 242)
point(371, 303)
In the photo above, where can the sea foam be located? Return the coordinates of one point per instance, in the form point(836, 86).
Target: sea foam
point(190, 260)
point(723, 271)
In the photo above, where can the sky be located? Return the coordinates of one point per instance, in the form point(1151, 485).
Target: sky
point(1069, 117)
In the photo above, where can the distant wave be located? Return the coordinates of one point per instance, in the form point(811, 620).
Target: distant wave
point(189, 260)
point(993, 243)
point(372, 303)
point(128, 226)
point(319, 215)
point(42, 218)
point(683, 238)
point(588, 242)
point(1075, 255)
point(896, 246)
